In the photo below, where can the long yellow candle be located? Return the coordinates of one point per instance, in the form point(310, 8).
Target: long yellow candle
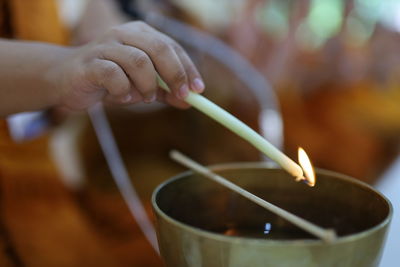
point(235, 125)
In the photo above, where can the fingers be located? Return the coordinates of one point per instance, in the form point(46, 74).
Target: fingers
point(109, 75)
point(166, 62)
point(137, 65)
point(136, 97)
point(194, 78)
point(164, 96)
point(168, 58)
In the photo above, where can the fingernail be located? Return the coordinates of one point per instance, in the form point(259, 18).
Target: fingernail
point(127, 98)
point(184, 91)
point(150, 98)
point(198, 85)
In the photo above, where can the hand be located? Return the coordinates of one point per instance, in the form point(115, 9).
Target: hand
point(121, 67)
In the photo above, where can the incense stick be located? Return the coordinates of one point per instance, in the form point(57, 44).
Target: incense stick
point(327, 235)
point(238, 127)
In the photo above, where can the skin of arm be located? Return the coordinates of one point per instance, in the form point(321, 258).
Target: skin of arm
point(24, 81)
point(119, 67)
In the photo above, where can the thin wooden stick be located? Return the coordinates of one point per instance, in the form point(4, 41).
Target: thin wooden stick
point(327, 235)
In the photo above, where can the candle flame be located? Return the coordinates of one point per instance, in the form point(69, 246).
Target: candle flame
point(305, 163)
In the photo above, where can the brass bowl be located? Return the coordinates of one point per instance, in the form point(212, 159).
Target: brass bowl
point(200, 223)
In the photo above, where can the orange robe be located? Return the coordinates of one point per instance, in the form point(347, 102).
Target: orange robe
point(40, 223)
point(27, 20)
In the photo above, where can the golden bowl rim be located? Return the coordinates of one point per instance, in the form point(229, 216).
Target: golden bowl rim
point(269, 242)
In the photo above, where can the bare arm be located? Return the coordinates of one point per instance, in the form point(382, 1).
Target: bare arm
point(25, 83)
point(119, 67)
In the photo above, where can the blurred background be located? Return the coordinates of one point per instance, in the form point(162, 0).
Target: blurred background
point(321, 74)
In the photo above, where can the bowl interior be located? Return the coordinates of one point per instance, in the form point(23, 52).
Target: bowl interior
point(336, 201)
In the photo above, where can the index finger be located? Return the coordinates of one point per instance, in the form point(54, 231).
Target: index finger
point(161, 52)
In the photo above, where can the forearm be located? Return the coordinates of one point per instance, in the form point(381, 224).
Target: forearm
point(25, 80)
point(120, 67)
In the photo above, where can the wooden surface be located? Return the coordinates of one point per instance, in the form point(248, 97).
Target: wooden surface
point(42, 223)
point(45, 223)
